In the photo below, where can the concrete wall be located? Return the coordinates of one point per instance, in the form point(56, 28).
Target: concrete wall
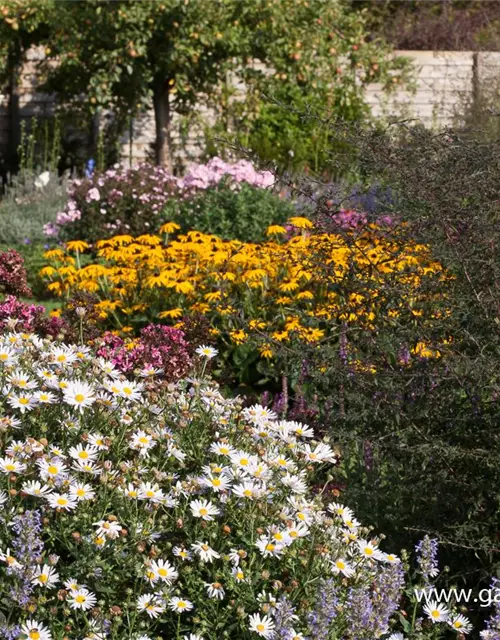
point(445, 82)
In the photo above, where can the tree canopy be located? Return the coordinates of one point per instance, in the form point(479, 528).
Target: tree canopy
point(182, 54)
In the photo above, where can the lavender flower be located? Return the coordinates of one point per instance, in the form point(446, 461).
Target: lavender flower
point(8, 632)
point(492, 631)
point(322, 616)
point(28, 547)
point(369, 608)
point(427, 550)
point(284, 615)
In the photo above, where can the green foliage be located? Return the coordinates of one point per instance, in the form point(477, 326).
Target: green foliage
point(281, 133)
point(231, 212)
point(23, 23)
point(419, 433)
point(185, 54)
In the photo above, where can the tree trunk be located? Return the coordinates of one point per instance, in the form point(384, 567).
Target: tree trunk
point(14, 112)
point(163, 146)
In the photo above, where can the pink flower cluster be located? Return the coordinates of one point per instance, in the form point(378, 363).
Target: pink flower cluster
point(202, 176)
point(13, 276)
point(350, 219)
point(123, 199)
point(16, 315)
point(159, 347)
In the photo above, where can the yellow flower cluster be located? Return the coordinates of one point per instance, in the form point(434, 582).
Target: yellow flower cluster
point(302, 288)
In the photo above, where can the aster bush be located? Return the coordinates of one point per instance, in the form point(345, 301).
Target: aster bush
point(130, 511)
point(233, 199)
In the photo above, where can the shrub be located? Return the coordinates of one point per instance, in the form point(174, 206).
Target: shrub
point(230, 211)
point(263, 299)
point(130, 511)
point(422, 432)
point(19, 316)
point(158, 350)
point(33, 256)
point(230, 199)
point(13, 276)
point(26, 208)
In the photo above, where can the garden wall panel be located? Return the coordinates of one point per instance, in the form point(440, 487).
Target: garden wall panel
point(444, 83)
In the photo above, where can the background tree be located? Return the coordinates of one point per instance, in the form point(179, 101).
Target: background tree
point(23, 24)
point(183, 55)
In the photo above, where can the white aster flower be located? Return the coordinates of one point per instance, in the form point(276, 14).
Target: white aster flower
point(262, 625)
point(215, 590)
point(217, 483)
point(45, 397)
point(183, 554)
point(142, 442)
point(62, 501)
point(107, 367)
point(149, 371)
point(84, 452)
point(341, 510)
point(460, 623)
point(97, 440)
point(257, 413)
point(45, 576)
point(63, 356)
point(269, 547)
point(82, 599)
point(222, 449)
point(34, 630)
point(8, 356)
point(9, 559)
point(164, 570)
point(321, 453)
point(298, 530)
point(79, 395)
point(81, 491)
point(52, 468)
point(73, 585)
point(23, 402)
point(436, 612)
point(20, 380)
point(206, 352)
point(342, 566)
point(179, 605)
point(370, 550)
point(151, 492)
point(11, 465)
point(109, 528)
point(238, 574)
point(203, 509)
point(296, 483)
point(130, 390)
point(205, 552)
point(391, 558)
point(248, 489)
